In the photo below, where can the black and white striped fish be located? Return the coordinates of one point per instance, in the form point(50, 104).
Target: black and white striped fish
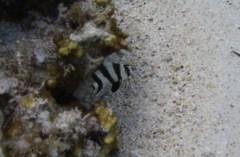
point(106, 78)
point(109, 73)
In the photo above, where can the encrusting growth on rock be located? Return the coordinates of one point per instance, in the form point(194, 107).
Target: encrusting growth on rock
point(56, 45)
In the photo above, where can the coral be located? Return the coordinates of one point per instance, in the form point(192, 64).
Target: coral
point(1, 122)
point(1, 118)
point(104, 115)
point(7, 84)
point(115, 43)
point(108, 121)
point(89, 33)
point(75, 17)
point(1, 153)
point(69, 47)
point(48, 124)
point(43, 60)
point(103, 2)
point(51, 83)
point(28, 101)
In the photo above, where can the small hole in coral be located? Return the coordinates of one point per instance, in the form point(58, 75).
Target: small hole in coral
point(65, 87)
point(103, 24)
point(62, 97)
point(43, 135)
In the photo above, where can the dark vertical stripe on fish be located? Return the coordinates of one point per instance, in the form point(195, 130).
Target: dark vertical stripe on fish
point(106, 73)
point(98, 81)
point(116, 68)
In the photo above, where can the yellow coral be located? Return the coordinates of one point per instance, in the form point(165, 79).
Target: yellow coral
point(115, 42)
point(78, 52)
point(28, 101)
point(105, 117)
point(110, 40)
point(51, 83)
point(67, 47)
point(111, 136)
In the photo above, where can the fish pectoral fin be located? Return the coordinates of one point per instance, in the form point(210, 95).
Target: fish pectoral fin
point(115, 86)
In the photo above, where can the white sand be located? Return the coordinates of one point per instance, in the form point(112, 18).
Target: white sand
point(184, 98)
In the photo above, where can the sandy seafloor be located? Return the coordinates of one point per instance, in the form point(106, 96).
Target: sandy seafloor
point(184, 96)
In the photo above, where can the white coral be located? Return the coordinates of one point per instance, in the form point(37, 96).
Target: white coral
point(6, 84)
point(89, 32)
point(91, 149)
point(21, 145)
point(69, 121)
point(44, 120)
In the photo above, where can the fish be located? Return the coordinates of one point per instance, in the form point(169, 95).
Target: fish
point(109, 73)
point(104, 79)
